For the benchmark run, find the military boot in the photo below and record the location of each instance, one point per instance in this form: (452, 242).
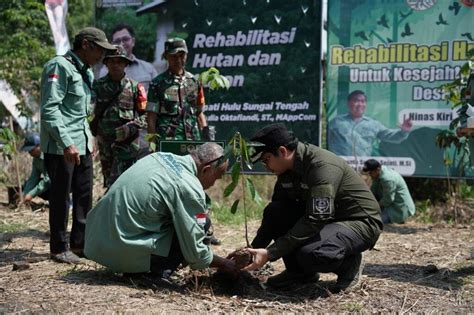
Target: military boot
(287, 278)
(350, 273)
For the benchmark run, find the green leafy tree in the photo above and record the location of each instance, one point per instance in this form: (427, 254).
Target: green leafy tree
(80, 15)
(456, 148)
(27, 44)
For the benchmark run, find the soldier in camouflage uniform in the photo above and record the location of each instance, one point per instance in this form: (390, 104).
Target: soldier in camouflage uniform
(119, 115)
(175, 104)
(176, 99)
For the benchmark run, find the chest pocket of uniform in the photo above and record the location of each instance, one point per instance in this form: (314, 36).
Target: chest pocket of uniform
(126, 104)
(289, 189)
(170, 103)
(76, 86)
(320, 207)
(191, 93)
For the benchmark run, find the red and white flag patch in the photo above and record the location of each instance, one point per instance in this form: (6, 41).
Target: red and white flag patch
(53, 77)
(201, 218)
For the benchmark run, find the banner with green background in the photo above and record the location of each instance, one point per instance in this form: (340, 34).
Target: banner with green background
(270, 50)
(397, 52)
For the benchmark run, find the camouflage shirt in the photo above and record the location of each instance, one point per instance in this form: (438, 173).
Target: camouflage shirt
(177, 100)
(118, 104)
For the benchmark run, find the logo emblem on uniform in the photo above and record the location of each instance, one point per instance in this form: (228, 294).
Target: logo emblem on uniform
(322, 205)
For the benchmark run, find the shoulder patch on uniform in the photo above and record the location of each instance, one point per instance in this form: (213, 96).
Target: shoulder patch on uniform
(53, 77)
(321, 204)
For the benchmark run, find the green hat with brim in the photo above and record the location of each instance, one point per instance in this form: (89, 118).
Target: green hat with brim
(175, 45)
(119, 52)
(96, 36)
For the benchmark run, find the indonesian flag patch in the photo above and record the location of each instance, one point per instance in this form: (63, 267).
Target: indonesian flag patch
(201, 218)
(201, 101)
(53, 77)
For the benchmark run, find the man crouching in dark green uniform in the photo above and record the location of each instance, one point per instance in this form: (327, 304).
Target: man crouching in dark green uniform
(322, 215)
(118, 115)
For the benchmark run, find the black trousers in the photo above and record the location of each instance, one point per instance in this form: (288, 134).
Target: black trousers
(165, 266)
(324, 252)
(67, 178)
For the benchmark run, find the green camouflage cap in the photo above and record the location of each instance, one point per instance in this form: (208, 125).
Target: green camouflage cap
(119, 52)
(175, 45)
(97, 36)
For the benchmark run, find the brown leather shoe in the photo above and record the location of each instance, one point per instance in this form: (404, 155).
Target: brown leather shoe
(66, 257)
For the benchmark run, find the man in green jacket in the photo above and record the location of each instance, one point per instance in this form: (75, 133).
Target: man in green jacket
(322, 215)
(391, 191)
(38, 183)
(66, 140)
(153, 216)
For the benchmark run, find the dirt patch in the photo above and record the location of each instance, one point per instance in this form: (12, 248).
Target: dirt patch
(413, 268)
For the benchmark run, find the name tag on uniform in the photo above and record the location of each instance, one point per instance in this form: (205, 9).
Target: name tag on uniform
(287, 185)
(201, 218)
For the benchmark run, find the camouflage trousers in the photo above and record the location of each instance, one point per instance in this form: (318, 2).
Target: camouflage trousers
(114, 159)
(106, 158)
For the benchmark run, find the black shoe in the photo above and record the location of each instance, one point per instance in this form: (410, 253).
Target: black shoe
(287, 278)
(350, 274)
(215, 241)
(153, 280)
(211, 240)
(66, 257)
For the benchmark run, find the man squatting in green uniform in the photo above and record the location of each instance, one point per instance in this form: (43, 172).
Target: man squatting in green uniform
(38, 183)
(322, 215)
(391, 191)
(66, 140)
(152, 218)
(119, 115)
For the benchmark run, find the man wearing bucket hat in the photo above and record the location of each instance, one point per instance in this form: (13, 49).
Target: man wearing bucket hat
(38, 182)
(119, 114)
(176, 99)
(322, 215)
(66, 140)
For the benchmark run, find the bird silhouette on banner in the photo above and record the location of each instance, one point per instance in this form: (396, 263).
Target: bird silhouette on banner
(441, 20)
(455, 7)
(383, 21)
(407, 31)
(362, 35)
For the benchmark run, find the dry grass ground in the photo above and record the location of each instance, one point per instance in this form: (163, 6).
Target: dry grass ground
(413, 268)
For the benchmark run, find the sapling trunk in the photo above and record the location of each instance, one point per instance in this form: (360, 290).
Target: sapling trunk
(15, 161)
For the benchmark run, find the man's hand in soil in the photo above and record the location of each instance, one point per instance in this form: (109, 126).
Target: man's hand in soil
(71, 155)
(260, 258)
(225, 265)
(26, 200)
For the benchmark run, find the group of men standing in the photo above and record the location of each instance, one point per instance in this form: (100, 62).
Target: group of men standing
(321, 218)
(68, 95)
